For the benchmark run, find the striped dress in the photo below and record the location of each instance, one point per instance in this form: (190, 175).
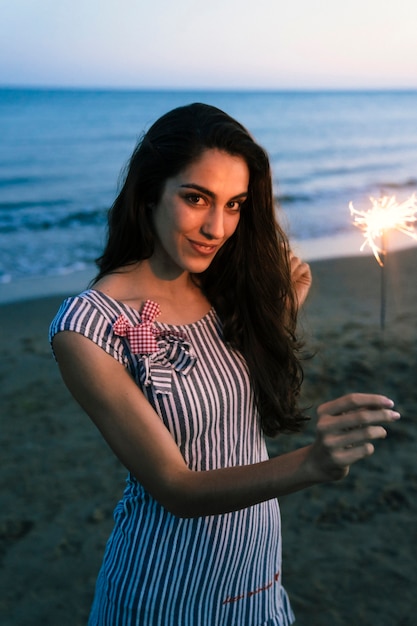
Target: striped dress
(159, 569)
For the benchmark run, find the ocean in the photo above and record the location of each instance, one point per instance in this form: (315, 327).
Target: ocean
(62, 153)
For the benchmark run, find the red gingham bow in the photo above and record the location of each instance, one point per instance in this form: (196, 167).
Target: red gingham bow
(142, 338)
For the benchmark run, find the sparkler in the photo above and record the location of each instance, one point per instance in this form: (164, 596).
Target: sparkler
(384, 215)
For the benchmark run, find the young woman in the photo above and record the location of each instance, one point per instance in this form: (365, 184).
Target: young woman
(184, 354)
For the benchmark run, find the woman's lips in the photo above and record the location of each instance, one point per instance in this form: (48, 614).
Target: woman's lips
(203, 248)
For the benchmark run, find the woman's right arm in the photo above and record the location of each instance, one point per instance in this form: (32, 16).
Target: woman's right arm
(137, 435)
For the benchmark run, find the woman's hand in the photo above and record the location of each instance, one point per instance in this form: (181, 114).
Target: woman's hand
(301, 277)
(345, 429)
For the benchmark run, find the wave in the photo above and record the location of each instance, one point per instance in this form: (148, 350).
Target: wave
(346, 170)
(288, 198)
(33, 204)
(47, 221)
(407, 184)
(18, 181)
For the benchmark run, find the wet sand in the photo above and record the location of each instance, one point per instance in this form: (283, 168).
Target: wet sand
(350, 548)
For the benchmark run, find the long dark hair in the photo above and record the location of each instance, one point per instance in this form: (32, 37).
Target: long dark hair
(249, 280)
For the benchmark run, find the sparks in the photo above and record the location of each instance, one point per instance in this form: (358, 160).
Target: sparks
(386, 214)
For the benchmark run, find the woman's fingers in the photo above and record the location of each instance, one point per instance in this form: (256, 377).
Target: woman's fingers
(345, 430)
(343, 458)
(353, 402)
(358, 419)
(355, 437)
(354, 419)
(301, 277)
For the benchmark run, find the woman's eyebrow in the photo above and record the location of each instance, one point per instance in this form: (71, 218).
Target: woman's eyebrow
(209, 193)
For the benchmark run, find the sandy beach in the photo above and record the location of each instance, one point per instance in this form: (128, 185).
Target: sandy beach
(350, 548)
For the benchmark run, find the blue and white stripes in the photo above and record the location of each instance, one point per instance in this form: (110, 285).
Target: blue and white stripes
(161, 570)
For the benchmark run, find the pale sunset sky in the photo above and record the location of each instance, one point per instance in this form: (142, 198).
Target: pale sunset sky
(258, 44)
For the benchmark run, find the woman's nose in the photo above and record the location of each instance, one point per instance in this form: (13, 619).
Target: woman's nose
(213, 226)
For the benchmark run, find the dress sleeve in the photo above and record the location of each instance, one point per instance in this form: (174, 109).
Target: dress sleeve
(81, 315)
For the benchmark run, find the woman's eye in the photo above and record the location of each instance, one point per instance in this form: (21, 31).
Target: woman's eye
(234, 205)
(194, 199)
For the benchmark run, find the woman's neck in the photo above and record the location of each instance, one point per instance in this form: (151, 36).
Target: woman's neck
(180, 298)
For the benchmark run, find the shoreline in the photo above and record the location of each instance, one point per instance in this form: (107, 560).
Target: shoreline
(312, 250)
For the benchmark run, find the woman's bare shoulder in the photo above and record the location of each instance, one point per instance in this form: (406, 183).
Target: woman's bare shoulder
(124, 285)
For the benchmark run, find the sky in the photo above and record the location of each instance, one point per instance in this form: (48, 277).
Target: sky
(259, 44)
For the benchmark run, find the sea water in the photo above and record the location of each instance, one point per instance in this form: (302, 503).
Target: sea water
(62, 153)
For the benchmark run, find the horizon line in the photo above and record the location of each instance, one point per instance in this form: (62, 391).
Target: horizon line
(167, 88)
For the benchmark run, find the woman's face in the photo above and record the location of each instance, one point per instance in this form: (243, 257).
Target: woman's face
(199, 210)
